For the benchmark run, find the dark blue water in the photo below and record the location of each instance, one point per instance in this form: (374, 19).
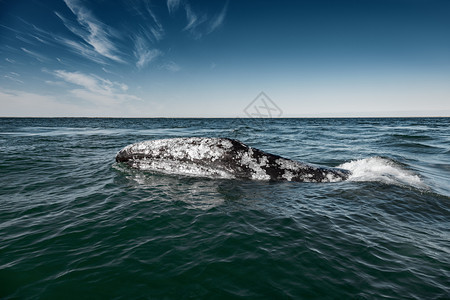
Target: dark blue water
(75, 224)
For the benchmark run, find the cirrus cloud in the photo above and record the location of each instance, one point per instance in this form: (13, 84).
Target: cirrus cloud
(96, 89)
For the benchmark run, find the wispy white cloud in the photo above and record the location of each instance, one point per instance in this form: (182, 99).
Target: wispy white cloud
(217, 21)
(143, 54)
(40, 35)
(35, 36)
(25, 40)
(172, 5)
(199, 25)
(191, 17)
(9, 28)
(98, 42)
(150, 26)
(55, 83)
(193, 22)
(170, 66)
(146, 57)
(107, 71)
(80, 79)
(81, 49)
(13, 76)
(157, 30)
(40, 40)
(95, 33)
(96, 89)
(35, 55)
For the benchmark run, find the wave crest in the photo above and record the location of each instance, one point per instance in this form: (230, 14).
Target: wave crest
(381, 170)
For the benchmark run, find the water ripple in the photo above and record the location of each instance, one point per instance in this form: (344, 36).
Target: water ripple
(74, 223)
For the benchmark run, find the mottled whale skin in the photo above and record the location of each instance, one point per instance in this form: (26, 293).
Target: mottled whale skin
(221, 157)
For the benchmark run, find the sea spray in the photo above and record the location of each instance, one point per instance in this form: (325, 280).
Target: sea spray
(382, 170)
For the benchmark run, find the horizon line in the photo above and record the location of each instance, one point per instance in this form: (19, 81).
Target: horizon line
(247, 118)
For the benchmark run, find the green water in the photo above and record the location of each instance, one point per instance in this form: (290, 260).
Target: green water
(75, 224)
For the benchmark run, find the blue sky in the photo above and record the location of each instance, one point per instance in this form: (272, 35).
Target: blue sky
(186, 58)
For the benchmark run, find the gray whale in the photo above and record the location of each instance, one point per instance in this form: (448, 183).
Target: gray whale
(221, 157)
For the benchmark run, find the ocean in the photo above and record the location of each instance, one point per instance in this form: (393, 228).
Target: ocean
(75, 224)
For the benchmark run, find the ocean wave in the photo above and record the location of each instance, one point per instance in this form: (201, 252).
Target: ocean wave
(383, 170)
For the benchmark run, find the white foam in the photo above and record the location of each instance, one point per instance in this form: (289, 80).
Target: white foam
(381, 170)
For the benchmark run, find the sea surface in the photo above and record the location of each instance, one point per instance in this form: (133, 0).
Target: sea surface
(75, 224)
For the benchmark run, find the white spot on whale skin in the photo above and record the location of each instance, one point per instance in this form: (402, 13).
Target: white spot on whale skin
(333, 178)
(181, 168)
(288, 175)
(183, 148)
(290, 165)
(263, 161)
(251, 162)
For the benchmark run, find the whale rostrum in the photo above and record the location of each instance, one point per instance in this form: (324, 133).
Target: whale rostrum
(223, 158)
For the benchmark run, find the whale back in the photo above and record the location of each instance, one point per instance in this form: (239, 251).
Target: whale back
(221, 157)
